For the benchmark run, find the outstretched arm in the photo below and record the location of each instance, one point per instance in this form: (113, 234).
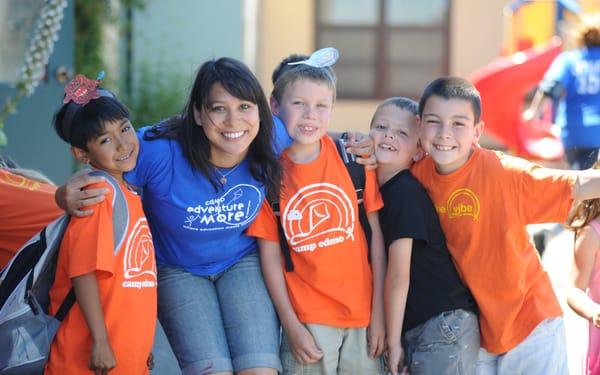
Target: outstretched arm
(302, 344)
(397, 281)
(88, 298)
(587, 185)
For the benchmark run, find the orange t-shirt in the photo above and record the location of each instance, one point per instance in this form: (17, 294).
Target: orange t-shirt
(26, 206)
(127, 287)
(331, 283)
(484, 207)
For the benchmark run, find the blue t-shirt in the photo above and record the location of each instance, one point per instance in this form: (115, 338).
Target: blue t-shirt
(578, 111)
(194, 226)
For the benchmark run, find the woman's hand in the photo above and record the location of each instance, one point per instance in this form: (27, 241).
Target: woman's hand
(74, 199)
(303, 345)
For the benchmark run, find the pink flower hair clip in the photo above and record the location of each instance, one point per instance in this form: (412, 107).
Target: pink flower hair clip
(82, 89)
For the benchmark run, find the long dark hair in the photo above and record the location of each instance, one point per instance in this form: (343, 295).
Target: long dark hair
(239, 81)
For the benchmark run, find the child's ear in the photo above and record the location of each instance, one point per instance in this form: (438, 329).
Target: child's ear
(478, 131)
(420, 154)
(274, 105)
(197, 115)
(80, 154)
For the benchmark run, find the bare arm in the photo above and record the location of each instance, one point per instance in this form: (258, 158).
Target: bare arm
(88, 298)
(397, 280)
(72, 197)
(302, 344)
(586, 250)
(377, 326)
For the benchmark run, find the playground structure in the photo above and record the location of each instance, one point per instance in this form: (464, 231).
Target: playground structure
(531, 43)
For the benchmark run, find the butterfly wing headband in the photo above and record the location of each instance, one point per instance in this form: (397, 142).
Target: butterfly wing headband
(321, 58)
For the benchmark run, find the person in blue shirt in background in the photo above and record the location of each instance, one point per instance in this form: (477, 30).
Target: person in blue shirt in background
(573, 80)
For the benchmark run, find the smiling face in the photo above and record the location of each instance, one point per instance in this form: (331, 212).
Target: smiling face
(448, 132)
(114, 151)
(230, 124)
(395, 136)
(305, 109)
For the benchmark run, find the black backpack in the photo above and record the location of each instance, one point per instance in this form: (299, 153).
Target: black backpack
(357, 175)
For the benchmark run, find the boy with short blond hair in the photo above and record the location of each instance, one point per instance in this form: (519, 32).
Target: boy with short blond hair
(484, 200)
(331, 296)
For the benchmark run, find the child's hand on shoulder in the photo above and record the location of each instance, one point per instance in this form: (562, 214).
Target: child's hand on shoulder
(303, 345)
(103, 359)
(361, 145)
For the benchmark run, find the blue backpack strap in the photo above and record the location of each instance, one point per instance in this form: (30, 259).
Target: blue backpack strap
(120, 214)
(120, 218)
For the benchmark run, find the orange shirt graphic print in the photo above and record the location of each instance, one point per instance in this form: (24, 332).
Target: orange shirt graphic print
(139, 265)
(462, 202)
(317, 216)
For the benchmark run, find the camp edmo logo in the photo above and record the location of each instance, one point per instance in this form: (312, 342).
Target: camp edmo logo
(317, 216)
(462, 202)
(138, 261)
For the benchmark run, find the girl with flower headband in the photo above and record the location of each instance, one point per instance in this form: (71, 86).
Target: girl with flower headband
(110, 327)
(203, 175)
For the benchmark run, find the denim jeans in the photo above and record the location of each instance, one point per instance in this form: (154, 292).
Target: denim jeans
(445, 344)
(224, 322)
(543, 352)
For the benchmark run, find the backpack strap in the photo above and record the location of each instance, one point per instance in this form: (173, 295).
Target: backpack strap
(120, 218)
(357, 175)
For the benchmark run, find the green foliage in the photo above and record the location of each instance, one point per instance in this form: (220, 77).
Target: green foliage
(158, 94)
(89, 16)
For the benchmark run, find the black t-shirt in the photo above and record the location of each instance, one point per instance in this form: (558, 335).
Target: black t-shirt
(435, 285)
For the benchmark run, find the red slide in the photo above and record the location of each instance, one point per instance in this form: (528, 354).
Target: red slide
(503, 85)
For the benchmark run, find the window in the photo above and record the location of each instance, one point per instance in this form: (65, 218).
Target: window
(387, 47)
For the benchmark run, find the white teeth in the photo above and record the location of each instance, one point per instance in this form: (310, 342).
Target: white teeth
(125, 157)
(307, 128)
(387, 147)
(233, 135)
(443, 148)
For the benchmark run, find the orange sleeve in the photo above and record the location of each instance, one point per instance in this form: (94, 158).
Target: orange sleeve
(372, 197)
(265, 224)
(89, 240)
(26, 206)
(546, 194)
